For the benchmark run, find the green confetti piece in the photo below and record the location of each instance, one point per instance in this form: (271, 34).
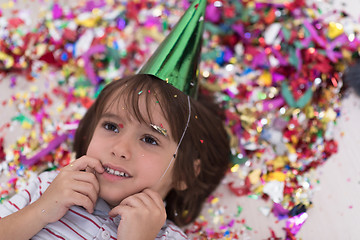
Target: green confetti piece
(286, 33)
(261, 96)
(305, 98)
(306, 32)
(254, 18)
(214, 29)
(227, 98)
(165, 25)
(293, 59)
(238, 6)
(247, 227)
(322, 52)
(114, 56)
(289, 98)
(236, 160)
(22, 118)
(239, 210)
(298, 45)
(319, 133)
(246, 14)
(82, 82)
(100, 88)
(253, 196)
(210, 55)
(287, 94)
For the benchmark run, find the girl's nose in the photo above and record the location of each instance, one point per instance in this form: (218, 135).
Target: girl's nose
(121, 149)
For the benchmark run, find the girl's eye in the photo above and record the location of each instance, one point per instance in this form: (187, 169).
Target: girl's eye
(111, 127)
(149, 140)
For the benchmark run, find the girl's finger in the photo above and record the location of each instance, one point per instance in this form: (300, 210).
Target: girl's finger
(133, 201)
(119, 210)
(83, 201)
(87, 177)
(155, 197)
(86, 189)
(85, 162)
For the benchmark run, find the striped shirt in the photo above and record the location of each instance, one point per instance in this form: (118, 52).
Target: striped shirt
(77, 223)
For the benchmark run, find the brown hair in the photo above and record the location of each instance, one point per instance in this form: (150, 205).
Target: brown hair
(205, 139)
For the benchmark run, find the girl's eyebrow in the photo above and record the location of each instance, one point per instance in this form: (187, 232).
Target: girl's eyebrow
(110, 115)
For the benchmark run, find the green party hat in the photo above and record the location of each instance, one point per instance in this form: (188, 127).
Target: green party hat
(177, 58)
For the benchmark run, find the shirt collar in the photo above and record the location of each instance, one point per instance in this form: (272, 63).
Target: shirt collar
(101, 209)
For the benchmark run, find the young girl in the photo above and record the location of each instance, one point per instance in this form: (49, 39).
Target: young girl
(147, 158)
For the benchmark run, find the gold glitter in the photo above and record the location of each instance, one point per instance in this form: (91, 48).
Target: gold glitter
(159, 129)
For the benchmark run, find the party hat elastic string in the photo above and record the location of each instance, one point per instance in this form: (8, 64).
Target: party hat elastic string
(182, 136)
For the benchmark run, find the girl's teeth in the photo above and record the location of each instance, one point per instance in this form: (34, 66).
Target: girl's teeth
(116, 172)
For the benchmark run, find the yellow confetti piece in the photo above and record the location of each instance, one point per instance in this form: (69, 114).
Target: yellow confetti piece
(214, 200)
(248, 57)
(330, 115)
(40, 49)
(278, 176)
(96, 11)
(88, 22)
(9, 4)
(60, 108)
(254, 176)
(34, 88)
(259, 189)
(16, 51)
(22, 140)
(335, 30)
(8, 60)
(23, 64)
(290, 148)
(280, 162)
(309, 111)
(26, 125)
(235, 168)
(265, 79)
(25, 95)
(47, 137)
(80, 92)
(78, 116)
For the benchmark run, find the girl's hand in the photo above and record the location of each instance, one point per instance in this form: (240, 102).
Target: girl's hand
(72, 186)
(142, 216)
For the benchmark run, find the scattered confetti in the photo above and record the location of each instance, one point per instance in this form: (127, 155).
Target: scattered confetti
(276, 70)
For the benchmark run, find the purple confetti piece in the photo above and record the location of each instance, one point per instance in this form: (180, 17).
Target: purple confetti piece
(314, 33)
(295, 223)
(57, 11)
(89, 70)
(43, 152)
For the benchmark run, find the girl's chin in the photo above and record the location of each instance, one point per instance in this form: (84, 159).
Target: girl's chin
(111, 202)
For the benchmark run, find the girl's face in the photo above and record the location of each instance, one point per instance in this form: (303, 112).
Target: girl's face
(134, 155)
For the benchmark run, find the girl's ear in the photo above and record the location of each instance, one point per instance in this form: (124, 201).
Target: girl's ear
(197, 167)
(182, 186)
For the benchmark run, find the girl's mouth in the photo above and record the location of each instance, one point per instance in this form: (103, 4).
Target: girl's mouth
(116, 172)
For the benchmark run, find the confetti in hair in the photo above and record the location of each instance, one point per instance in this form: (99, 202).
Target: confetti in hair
(159, 129)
